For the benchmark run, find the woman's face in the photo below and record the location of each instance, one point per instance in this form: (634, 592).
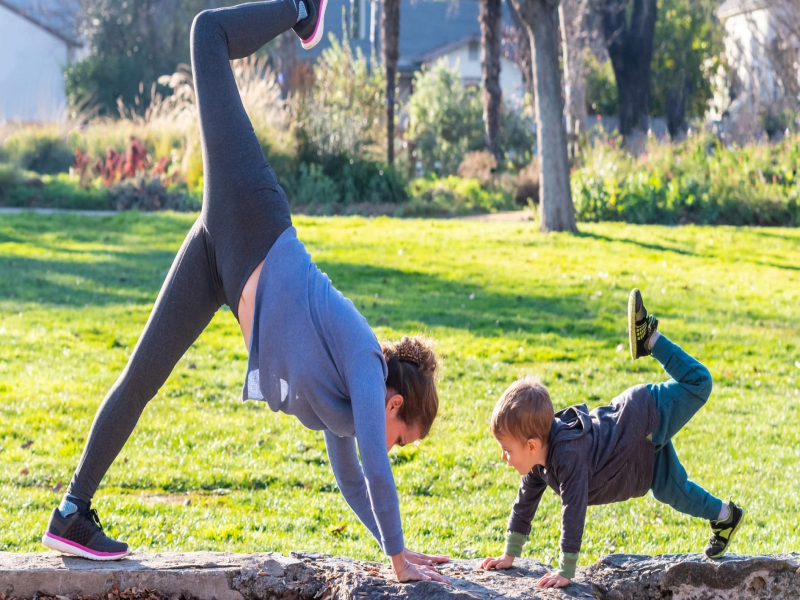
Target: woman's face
(397, 432)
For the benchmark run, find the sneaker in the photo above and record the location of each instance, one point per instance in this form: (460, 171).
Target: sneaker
(641, 326)
(722, 531)
(81, 534)
(310, 29)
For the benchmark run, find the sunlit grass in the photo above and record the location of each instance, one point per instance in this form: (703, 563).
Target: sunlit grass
(205, 471)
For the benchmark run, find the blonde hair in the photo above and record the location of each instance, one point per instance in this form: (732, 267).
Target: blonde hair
(413, 367)
(524, 411)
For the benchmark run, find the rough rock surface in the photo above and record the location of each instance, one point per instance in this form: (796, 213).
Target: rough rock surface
(304, 575)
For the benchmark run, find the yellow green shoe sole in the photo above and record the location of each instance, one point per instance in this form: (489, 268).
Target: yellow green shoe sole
(632, 323)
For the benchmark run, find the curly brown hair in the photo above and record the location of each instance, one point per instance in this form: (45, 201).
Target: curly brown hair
(413, 368)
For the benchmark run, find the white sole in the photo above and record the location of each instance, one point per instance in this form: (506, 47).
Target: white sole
(320, 30)
(60, 546)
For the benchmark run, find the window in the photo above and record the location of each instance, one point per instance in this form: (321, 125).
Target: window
(474, 51)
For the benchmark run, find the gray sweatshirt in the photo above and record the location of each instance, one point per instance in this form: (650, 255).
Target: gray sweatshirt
(314, 356)
(593, 458)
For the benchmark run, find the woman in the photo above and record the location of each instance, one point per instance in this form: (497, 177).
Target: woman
(312, 355)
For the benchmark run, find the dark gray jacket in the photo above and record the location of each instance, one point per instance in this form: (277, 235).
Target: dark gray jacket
(595, 457)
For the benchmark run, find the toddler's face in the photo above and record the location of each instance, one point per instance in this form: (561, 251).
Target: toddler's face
(521, 456)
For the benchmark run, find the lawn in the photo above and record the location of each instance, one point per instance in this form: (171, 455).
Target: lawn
(204, 471)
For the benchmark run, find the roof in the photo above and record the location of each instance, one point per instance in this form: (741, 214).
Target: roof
(731, 8)
(56, 17)
(428, 28)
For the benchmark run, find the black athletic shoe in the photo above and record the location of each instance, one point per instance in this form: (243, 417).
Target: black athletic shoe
(641, 326)
(722, 531)
(310, 29)
(81, 534)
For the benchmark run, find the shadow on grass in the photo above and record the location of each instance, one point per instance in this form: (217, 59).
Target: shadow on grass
(408, 300)
(678, 250)
(649, 246)
(126, 277)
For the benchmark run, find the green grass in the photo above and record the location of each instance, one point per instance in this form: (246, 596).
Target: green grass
(501, 299)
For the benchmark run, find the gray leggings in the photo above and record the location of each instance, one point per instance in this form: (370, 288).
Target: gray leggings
(244, 212)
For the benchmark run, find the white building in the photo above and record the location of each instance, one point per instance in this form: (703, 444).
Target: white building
(464, 56)
(763, 53)
(34, 49)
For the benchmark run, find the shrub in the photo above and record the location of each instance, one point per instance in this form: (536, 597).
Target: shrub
(527, 188)
(343, 111)
(38, 150)
(10, 175)
(314, 187)
(345, 181)
(152, 196)
(59, 191)
(517, 136)
(453, 195)
(480, 165)
(445, 120)
(697, 181)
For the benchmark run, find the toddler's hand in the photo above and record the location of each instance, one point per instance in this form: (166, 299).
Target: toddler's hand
(553, 580)
(501, 562)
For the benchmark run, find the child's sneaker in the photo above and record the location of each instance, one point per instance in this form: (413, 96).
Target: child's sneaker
(641, 326)
(311, 27)
(81, 534)
(722, 531)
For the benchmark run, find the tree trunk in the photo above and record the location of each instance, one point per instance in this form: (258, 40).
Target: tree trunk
(390, 40)
(676, 107)
(522, 41)
(286, 51)
(572, 18)
(556, 211)
(630, 47)
(490, 16)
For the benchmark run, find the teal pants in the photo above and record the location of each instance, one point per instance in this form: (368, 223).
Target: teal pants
(678, 400)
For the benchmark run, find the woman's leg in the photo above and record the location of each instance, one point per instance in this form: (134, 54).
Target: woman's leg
(192, 291)
(244, 208)
(184, 307)
(244, 211)
(234, 165)
(188, 300)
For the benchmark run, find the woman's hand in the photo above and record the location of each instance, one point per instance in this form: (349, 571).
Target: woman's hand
(418, 558)
(501, 562)
(553, 580)
(405, 571)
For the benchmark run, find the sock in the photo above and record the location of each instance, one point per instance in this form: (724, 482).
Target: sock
(70, 504)
(724, 513)
(302, 12)
(653, 339)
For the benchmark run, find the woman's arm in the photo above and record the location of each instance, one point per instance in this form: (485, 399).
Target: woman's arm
(366, 383)
(350, 479)
(367, 387)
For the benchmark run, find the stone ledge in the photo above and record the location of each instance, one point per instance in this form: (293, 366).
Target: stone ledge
(305, 575)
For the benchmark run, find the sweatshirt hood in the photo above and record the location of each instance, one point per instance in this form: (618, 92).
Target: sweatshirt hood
(569, 424)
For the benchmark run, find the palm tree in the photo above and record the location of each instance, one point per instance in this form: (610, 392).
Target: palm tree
(390, 42)
(490, 17)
